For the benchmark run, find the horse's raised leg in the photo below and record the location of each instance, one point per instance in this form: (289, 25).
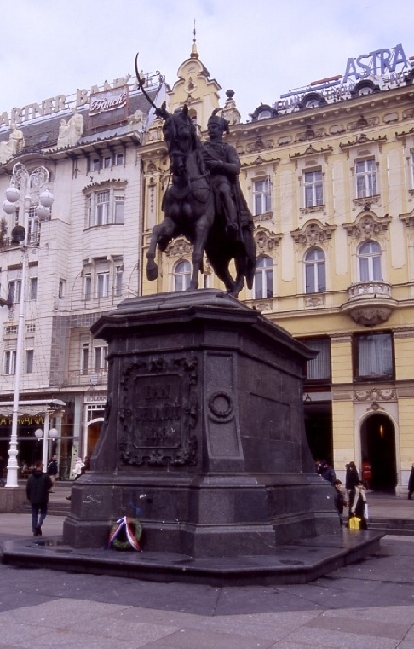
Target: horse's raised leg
(162, 232)
(151, 268)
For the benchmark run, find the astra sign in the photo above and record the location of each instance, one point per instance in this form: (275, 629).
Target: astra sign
(387, 67)
(379, 62)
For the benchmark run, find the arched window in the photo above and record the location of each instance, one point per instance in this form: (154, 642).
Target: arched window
(182, 275)
(369, 258)
(263, 279)
(193, 115)
(315, 271)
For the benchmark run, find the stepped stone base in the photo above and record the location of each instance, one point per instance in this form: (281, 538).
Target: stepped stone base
(204, 438)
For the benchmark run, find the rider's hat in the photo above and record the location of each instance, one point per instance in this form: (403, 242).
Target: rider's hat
(223, 123)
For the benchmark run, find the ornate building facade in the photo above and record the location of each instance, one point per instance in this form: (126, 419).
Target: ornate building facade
(328, 173)
(80, 260)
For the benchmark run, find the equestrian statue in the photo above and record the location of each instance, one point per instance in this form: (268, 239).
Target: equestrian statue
(203, 201)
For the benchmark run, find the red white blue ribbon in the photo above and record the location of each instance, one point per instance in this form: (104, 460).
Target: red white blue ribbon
(129, 530)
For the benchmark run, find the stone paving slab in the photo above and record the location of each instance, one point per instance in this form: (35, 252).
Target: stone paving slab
(356, 607)
(369, 604)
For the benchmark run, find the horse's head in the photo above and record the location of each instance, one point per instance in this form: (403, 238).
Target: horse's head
(179, 132)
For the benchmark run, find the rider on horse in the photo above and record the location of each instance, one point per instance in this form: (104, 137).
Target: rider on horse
(222, 161)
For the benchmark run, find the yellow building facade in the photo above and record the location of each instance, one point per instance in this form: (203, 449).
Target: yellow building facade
(328, 173)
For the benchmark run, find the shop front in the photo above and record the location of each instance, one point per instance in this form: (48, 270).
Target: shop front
(39, 426)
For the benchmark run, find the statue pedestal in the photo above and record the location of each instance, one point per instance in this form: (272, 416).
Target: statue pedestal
(204, 437)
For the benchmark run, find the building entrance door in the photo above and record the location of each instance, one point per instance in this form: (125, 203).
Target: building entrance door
(318, 424)
(94, 431)
(378, 446)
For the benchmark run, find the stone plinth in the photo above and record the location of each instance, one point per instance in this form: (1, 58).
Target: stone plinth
(11, 499)
(204, 436)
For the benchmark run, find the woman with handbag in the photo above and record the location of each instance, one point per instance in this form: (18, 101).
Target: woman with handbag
(358, 505)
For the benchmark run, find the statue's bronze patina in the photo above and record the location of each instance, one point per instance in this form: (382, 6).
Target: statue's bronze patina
(204, 201)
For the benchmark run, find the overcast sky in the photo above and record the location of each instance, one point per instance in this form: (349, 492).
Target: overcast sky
(259, 48)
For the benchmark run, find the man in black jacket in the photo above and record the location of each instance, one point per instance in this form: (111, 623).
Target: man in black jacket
(37, 491)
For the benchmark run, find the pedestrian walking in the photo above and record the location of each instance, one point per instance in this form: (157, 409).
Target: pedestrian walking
(77, 472)
(411, 483)
(53, 470)
(37, 491)
(351, 478)
(339, 500)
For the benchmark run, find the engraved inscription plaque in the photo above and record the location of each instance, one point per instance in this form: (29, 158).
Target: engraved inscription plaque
(159, 412)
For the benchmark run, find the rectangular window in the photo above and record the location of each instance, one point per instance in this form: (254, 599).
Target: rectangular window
(62, 288)
(33, 234)
(319, 368)
(29, 361)
(85, 358)
(366, 178)
(105, 207)
(96, 164)
(9, 365)
(102, 208)
(374, 356)
(102, 284)
(100, 358)
(370, 269)
(33, 288)
(118, 209)
(120, 158)
(262, 199)
(313, 188)
(87, 287)
(107, 162)
(119, 275)
(263, 279)
(14, 291)
(412, 169)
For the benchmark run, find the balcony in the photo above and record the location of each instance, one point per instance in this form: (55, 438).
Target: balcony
(369, 303)
(77, 378)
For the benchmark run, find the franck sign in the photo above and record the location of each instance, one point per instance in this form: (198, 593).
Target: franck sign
(108, 107)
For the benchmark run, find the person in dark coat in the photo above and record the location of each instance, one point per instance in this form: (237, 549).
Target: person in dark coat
(53, 469)
(411, 483)
(351, 478)
(328, 473)
(339, 500)
(37, 491)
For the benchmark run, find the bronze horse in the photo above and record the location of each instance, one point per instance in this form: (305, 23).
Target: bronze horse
(188, 202)
(190, 210)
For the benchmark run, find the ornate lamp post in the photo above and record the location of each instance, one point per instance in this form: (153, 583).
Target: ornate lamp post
(25, 189)
(46, 434)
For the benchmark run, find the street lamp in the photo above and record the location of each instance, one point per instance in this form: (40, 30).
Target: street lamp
(25, 188)
(46, 434)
